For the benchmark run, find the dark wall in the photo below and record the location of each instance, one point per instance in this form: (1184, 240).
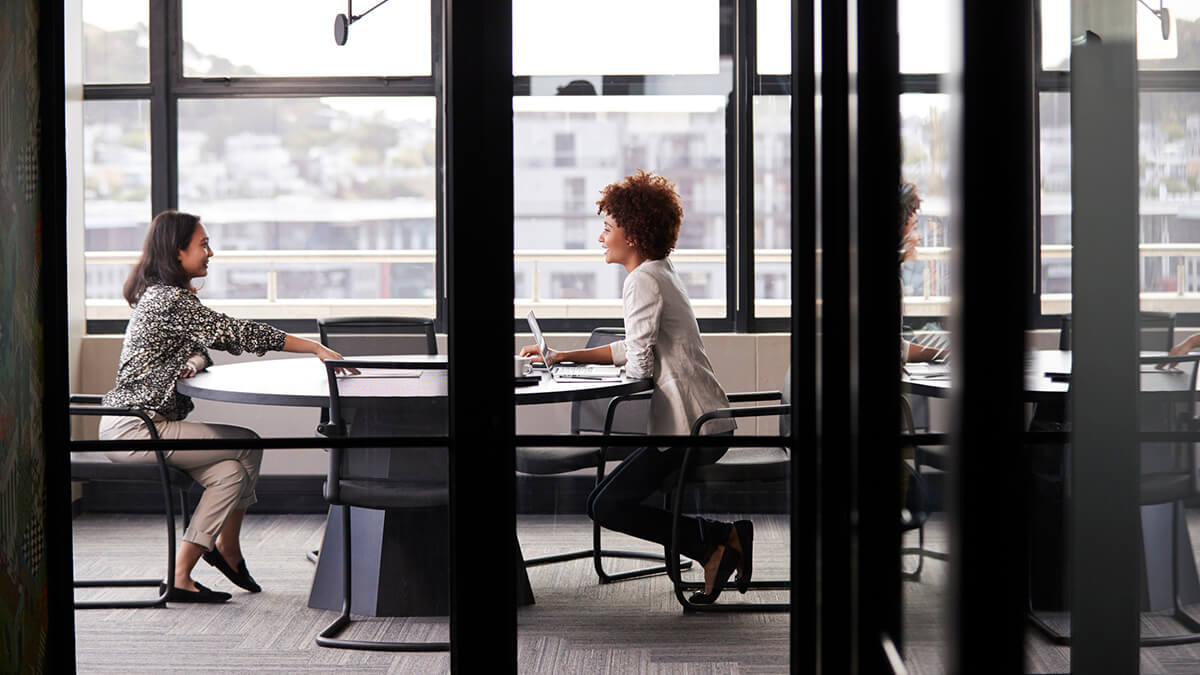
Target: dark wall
(23, 561)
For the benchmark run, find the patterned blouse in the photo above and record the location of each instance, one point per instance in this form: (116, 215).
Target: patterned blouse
(168, 327)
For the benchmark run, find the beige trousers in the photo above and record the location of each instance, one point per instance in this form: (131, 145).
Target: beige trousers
(228, 476)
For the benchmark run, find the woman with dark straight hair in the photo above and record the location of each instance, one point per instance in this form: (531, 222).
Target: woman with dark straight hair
(168, 338)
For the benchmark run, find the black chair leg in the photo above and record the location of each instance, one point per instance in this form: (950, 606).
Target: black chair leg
(161, 600)
(184, 508)
(673, 568)
(598, 553)
(328, 637)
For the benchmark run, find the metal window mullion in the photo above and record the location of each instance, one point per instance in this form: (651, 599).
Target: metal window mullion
(163, 120)
(284, 87)
(743, 95)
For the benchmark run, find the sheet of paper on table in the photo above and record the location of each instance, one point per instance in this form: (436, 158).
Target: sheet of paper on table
(926, 369)
(382, 372)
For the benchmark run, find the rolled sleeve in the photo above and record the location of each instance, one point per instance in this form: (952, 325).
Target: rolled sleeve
(643, 305)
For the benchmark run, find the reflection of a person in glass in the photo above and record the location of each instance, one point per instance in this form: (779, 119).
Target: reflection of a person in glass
(642, 217)
(910, 238)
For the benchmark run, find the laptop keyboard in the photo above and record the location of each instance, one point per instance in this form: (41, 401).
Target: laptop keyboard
(585, 371)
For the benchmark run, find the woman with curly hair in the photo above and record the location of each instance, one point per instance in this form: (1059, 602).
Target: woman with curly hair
(168, 338)
(642, 217)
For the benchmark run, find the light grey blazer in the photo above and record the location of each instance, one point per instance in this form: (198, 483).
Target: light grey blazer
(662, 339)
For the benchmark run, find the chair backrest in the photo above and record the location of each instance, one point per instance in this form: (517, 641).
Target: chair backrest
(1168, 403)
(378, 335)
(415, 418)
(1156, 331)
(632, 417)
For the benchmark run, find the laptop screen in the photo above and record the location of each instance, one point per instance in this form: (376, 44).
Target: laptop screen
(537, 334)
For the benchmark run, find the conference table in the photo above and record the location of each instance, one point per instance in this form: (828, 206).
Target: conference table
(1047, 384)
(400, 557)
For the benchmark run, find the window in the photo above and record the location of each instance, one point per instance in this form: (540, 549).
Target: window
(1168, 160)
(396, 40)
(308, 197)
(116, 39)
(314, 166)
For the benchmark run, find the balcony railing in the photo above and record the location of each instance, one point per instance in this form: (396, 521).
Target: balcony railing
(933, 300)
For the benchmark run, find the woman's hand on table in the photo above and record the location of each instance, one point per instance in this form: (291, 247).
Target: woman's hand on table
(1181, 349)
(187, 371)
(326, 354)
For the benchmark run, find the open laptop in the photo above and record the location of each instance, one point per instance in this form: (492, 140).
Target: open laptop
(562, 373)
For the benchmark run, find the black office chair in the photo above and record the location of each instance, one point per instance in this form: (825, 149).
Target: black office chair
(378, 335)
(915, 513)
(1156, 331)
(594, 417)
(1168, 477)
(374, 336)
(169, 477)
(344, 488)
(738, 465)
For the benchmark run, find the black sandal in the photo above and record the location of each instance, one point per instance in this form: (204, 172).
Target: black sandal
(201, 594)
(729, 563)
(240, 576)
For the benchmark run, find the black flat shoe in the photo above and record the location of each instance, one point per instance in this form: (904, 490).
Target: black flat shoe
(729, 562)
(745, 532)
(240, 576)
(176, 594)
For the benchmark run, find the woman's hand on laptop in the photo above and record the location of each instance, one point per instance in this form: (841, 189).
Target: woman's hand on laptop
(535, 354)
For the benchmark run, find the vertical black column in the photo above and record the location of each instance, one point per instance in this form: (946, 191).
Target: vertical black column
(52, 185)
(835, 466)
(875, 321)
(992, 200)
(165, 69)
(745, 70)
(1104, 516)
(479, 244)
(806, 485)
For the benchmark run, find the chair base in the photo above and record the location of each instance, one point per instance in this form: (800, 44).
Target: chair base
(1190, 622)
(922, 554)
(159, 601)
(328, 638)
(605, 577)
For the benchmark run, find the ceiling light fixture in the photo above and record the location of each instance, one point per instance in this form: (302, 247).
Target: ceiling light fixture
(1163, 14)
(341, 22)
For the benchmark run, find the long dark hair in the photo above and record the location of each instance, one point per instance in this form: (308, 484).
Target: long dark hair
(170, 232)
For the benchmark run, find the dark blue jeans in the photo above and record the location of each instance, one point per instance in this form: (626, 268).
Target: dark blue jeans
(616, 503)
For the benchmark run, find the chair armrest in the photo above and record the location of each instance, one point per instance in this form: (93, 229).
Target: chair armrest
(726, 413)
(618, 400)
(101, 411)
(749, 396)
(89, 399)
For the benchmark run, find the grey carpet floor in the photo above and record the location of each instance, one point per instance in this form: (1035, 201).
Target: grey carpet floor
(576, 625)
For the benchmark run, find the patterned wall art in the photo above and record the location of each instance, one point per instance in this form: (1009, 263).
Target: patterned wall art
(23, 569)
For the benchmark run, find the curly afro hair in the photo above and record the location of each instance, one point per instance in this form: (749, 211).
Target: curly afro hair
(647, 207)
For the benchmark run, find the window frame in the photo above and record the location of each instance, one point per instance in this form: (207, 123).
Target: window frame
(737, 40)
(1059, 81)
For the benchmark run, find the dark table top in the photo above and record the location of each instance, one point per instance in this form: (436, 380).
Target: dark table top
(1039, 385)
(301, 381)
